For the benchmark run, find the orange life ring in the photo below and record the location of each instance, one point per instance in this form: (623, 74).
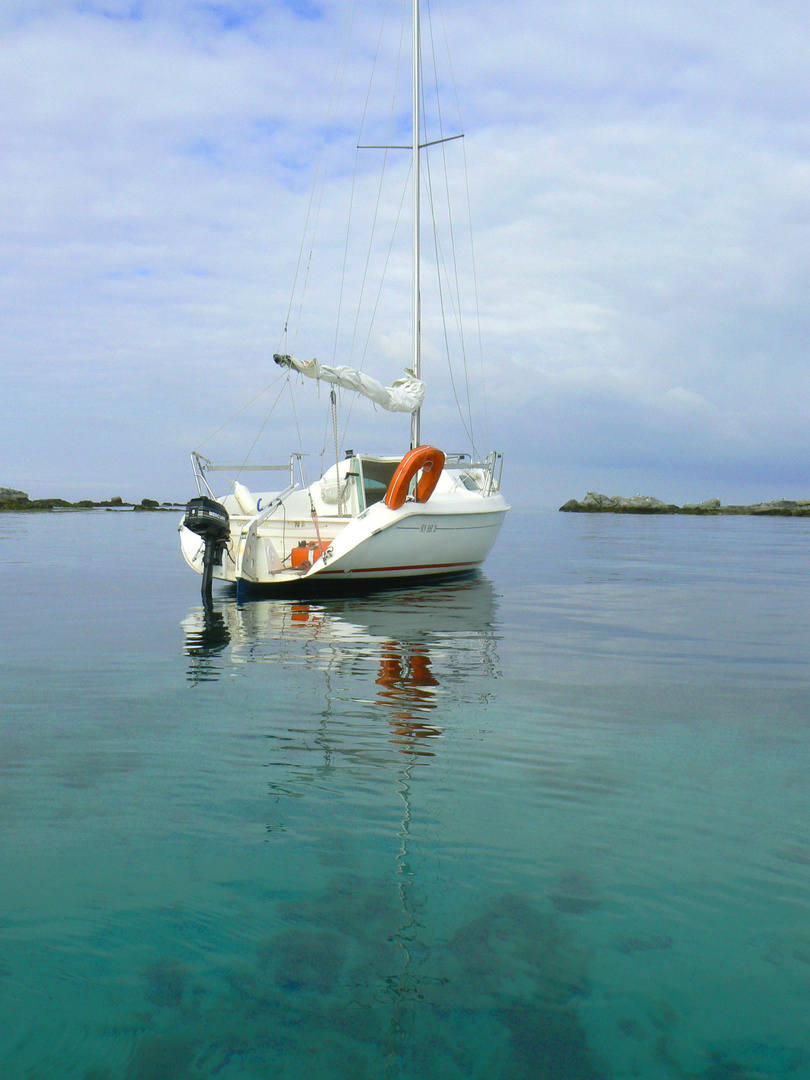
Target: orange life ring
(430, 461)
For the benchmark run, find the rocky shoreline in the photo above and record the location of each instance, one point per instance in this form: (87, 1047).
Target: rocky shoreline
(594, 503)
(12, 499)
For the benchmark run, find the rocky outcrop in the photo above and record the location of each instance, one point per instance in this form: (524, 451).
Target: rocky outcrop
(775, 508)
(594, 503)
(12, 499)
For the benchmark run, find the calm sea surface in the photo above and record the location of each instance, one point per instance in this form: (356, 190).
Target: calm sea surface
(549, 824)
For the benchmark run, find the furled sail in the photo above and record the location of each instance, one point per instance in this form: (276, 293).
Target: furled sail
(404, 395)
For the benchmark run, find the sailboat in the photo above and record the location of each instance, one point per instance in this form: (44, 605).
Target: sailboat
(369, 521)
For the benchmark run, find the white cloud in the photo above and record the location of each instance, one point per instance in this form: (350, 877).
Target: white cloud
(638, 176)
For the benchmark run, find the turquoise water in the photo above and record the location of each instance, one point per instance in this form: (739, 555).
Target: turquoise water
(552, 823)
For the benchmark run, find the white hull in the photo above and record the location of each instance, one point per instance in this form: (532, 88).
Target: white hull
(449, 535)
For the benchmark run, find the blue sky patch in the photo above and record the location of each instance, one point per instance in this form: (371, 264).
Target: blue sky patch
(119, 10)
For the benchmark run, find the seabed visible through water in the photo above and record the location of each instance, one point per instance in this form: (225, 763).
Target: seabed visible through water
(509, 829)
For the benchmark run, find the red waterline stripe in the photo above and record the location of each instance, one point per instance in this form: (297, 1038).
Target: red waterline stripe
(392, 569)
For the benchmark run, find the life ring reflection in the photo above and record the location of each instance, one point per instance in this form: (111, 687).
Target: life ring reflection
(408, 689)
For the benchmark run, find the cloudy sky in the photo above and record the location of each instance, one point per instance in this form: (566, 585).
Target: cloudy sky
(638, 173)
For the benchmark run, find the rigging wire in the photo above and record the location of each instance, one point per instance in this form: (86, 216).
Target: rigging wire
(376, 215)
(473, 266)
(360, 340)
(466, 421)
(334, 400)
(319, 180)
(240, 411)
(477, 306)
(447, 263)
(258, 434)
(453, 286)
(321, 175)
(317, 191)
(380, 286)
(301, 454)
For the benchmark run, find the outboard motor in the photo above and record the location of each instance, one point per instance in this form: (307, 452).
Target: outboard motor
(208, 519)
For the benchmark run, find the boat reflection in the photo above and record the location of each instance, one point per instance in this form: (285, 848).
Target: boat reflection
(400, 651)
(354, 697)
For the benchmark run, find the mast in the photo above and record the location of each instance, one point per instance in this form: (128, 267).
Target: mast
(416, 302)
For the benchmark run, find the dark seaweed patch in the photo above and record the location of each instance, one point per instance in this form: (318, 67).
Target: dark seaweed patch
(548, 1043)
(161, 1057)
(165, 981)
(574, 893)
(354, 977)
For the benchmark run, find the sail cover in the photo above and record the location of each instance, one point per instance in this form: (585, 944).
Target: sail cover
(404, 395)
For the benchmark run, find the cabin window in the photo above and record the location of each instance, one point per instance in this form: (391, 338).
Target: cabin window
(377, 475)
